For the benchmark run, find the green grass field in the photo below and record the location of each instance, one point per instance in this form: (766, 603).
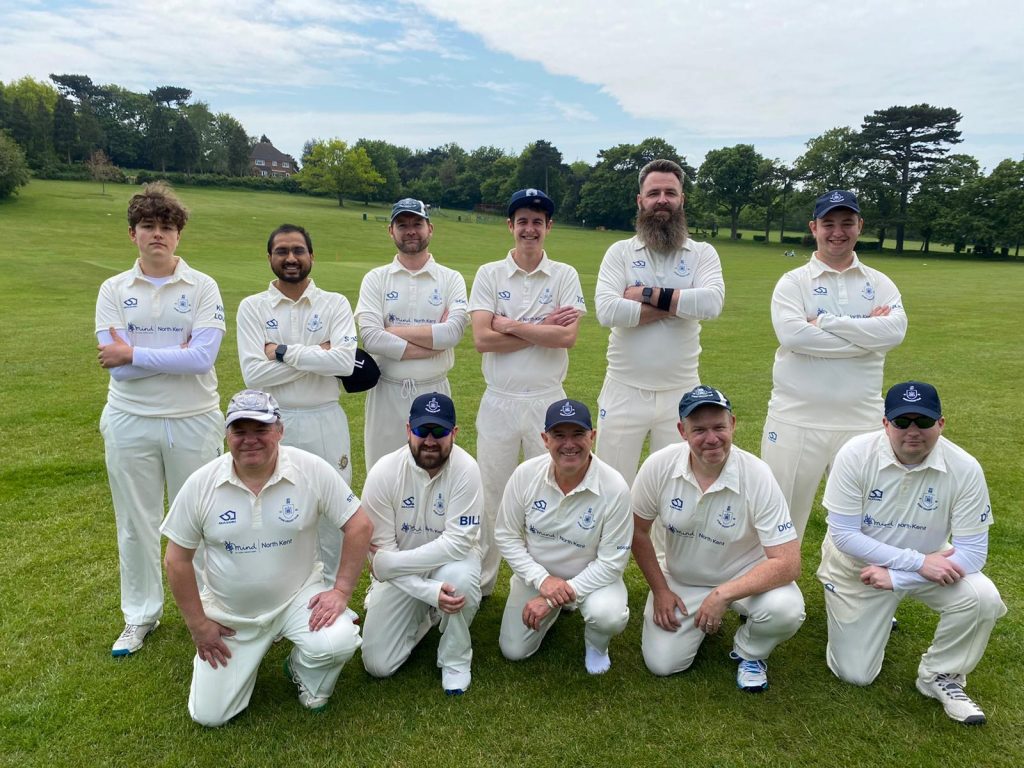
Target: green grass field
(64, 701)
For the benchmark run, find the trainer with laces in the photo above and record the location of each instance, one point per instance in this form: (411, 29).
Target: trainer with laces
(729, 545)
(257, 511)
(895, 499)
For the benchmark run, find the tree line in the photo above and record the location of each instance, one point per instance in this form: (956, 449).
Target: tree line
(899, 161)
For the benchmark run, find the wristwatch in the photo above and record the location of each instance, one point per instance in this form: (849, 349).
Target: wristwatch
(647, 293)
(279, 352)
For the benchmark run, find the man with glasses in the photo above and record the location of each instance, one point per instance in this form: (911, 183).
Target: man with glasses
(835, 318)
(894, 499)
(425, 501)
(564, 528)
(256, 511)
(294, 341)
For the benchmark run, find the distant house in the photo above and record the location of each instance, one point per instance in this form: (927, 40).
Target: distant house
(266, 160)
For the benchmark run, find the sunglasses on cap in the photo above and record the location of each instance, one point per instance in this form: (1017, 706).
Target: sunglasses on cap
(431, 430)
(904, 422)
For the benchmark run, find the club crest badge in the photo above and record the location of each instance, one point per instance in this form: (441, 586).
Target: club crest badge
(343, 462)
(546, 296)
(681, 269)
(432, 406)
(928, 502)
(868, 292)
(726, 518)
(289, 512)
(315, 324)
(182, 305)
(439, 505)
(435, 298)
(912, 395)
(567, 409)
(587, 520)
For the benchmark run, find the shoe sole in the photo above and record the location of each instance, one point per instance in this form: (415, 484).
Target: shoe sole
(753, 689)
(120, 653)
(288, 673)
(969, 720)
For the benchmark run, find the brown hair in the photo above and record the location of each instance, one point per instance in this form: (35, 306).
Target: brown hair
(157, 201)
(661, 166)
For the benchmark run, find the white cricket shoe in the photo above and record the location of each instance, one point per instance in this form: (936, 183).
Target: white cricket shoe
(751, 674)
(306, 699)
(949, 690)
(131, 638)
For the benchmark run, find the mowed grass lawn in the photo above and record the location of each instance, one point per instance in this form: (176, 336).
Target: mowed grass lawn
(65, 701)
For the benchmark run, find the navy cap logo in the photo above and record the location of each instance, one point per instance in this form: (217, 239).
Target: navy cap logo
(567, 409)
(432, 406)
(836, 197)
(911, 395)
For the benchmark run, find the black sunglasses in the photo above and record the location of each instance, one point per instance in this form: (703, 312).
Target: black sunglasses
(434, 430)
(904, 422)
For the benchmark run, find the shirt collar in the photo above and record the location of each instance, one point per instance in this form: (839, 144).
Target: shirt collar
(276, 297)
(638, 245)
(819, 267)
(935, 460)
(182, 272)
(511, 267)
(591, 480)
(285, 470)
(728, 479)
(430, 267)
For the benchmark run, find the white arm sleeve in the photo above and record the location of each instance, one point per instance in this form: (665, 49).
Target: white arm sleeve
(850, 540)
(971, 554)
(198, 357)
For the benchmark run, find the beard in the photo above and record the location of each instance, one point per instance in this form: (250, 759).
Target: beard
(428, 459)
(662, 235)
(412, 247)
(295, 277)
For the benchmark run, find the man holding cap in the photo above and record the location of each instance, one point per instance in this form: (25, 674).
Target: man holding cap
(835, 319)
(526, 310)
(256, 509)
(729, 543)
(294, 341)
(411, 315)
(425, 502)
(652, 292)
(894, 499)
(564, 528)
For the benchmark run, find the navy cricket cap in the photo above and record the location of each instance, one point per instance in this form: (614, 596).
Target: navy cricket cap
(410, 205)
(530, 198)
(837, 198)
(432, 408)
(699, 396)
(567, 412)
(912, 397)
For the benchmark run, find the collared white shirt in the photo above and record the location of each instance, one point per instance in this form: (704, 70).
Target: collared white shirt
(583, 537)
(307, 377)
(420, 522)
(830, 376)
(663, 354)
(915, 508)
(260, 549)
(391, 295)
(157, 317)
(715, 535)
(504, 288)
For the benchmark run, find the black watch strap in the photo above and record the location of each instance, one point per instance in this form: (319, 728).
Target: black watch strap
(279, 352)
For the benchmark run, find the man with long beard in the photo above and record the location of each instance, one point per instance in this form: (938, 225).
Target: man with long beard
(652, 291)
(411, 314)
(294, 340)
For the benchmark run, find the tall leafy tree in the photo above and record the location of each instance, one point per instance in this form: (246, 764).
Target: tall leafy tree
(832, 161)
(235, 143)
(184, 144)
(729, 176)
(939, 196)
(333, 168)
(909, 140)
(384, 157)
(65, 129)
(13, 167)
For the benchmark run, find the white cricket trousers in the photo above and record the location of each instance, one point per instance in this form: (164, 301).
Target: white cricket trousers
(387, 414)
(772, 618)
(144, 456)
(604, 611)
(396, 621)
(219, 694)
(799, 457)
(504, 427)
(323, 431)
(860, 620)
(627, 414)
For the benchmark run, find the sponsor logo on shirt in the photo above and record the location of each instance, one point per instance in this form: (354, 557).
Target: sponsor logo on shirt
(821, 290)
(786, 526)
(602, 413)
(537, 531)
(564, 540)
(986, 513)
(228, 517)
(218, 313)
(676, 503)
(540, 505)
(131, 301)
(182, 305)
(315, 324)
(710, 539)
(289, 512)
(391, 295)
(875, 494)
(871, 522)
(469, 520)
(253, 547)
(409, 502)
(822, 311)
(639, 263)
(679, 532)
(272, 324)
(504, 295)
(773, 437)
(586, 520)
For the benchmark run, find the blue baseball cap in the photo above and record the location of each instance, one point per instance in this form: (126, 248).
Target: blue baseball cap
(912, 397)
(410, 205)
(530, 198)
(699, 396)
(837, 198)
(432, 408)
(567, 412)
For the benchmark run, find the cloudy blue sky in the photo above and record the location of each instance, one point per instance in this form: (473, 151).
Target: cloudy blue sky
(701, 74)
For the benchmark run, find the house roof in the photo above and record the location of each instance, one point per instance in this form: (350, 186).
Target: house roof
(264, 150)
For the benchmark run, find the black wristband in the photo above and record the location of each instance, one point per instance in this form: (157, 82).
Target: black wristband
(279, 352)
(665, 298)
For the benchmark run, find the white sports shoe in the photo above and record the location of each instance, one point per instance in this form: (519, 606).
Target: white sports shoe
(131, 638)
(751, 674)
(306, 699)
(949, 690)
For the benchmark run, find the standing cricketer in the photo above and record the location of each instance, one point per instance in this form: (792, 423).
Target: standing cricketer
(256, 509)
(526, 312)
(159, 327)
(835, 319)
(411, 315)
(652, 292)
(894, 498)
(425, 502)
(294, 340)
